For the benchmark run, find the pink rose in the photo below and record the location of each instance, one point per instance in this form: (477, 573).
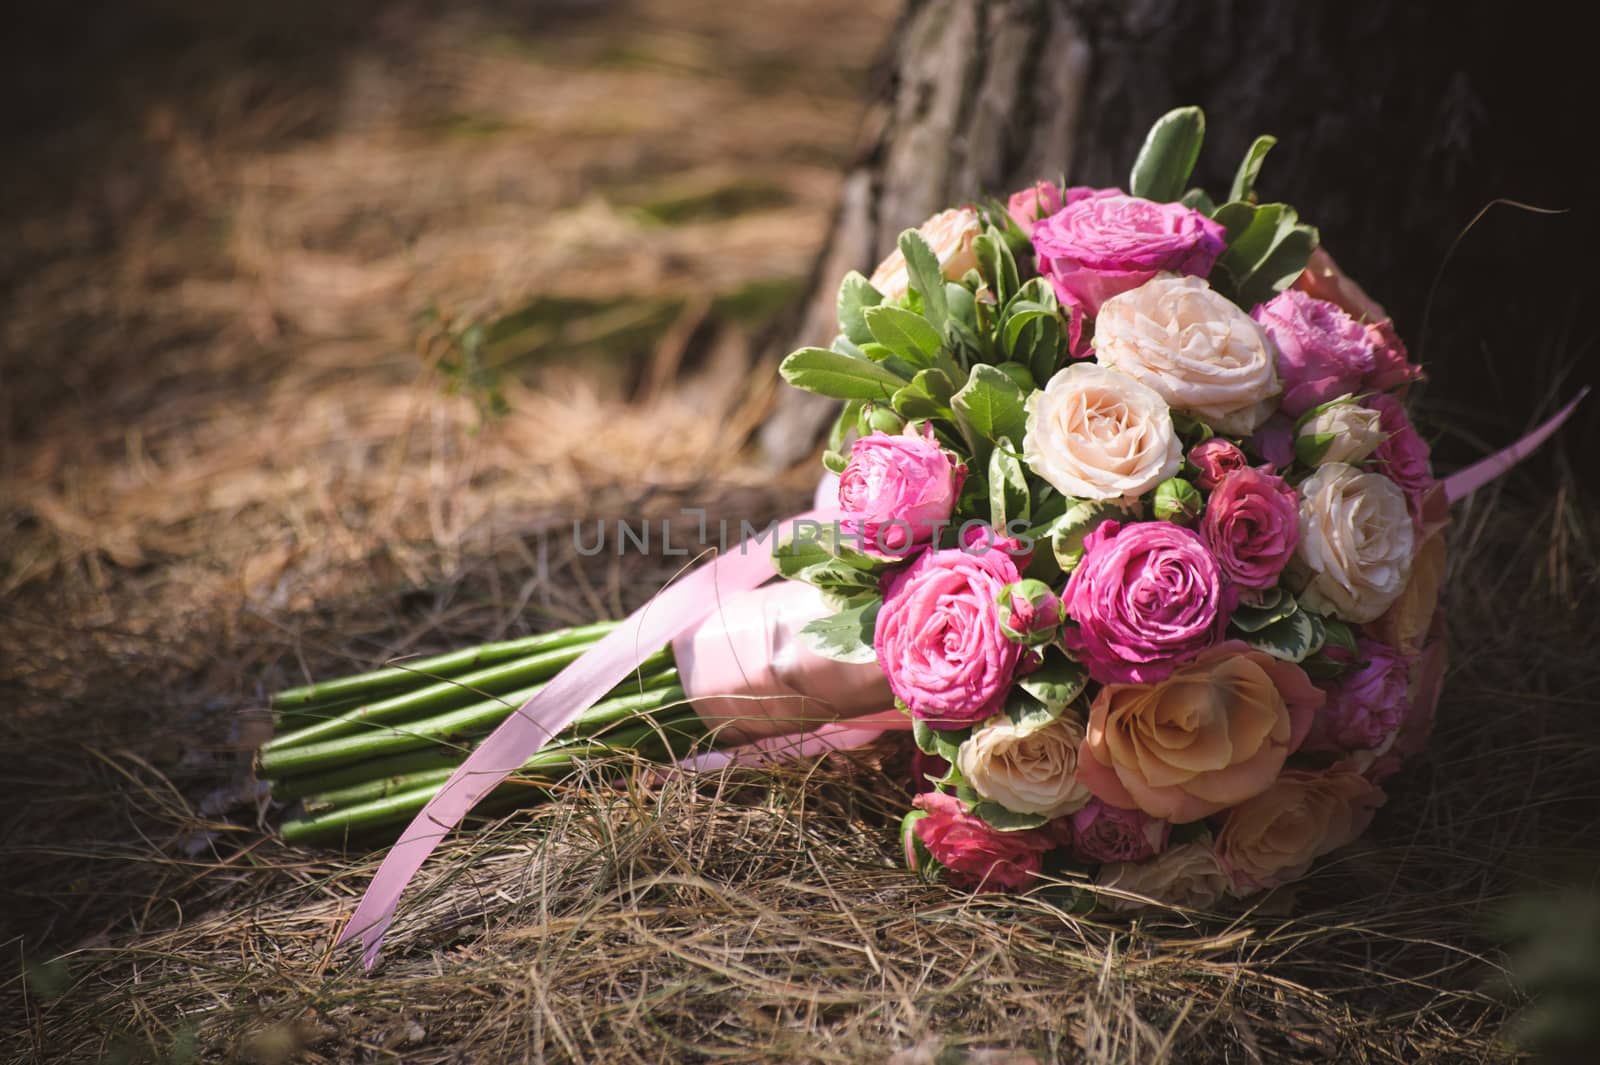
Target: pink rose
(1323, 353)
(975, 856)
(1031, 204)
(1103, 243)
(1365, 707)
(939, 638)
(898, 491)
(1392, 367)
(1102, 833)
(1214, 458)
(1252, 525)
(1145, 596)
(1403, 455)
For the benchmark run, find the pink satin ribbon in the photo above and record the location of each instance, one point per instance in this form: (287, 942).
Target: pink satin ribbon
(677, 608)
(1463, 483)
(750, 675)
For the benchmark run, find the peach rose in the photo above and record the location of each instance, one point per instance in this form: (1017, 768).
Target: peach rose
(1322, 279)
(1214, 733)
(1186, 876)
(1274, 837)
(1203, 354)
(1095, 433)
(1405, 624)
(950, 234)
(1356, 543)
(1027, 770)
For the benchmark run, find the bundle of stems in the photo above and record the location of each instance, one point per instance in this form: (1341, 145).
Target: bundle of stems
(363, 754)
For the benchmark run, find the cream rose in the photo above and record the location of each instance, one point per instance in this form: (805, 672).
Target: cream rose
(1186, 876)
(1028, 770)
(1274, 837)
(1214, 733)
(1204, 355)
(1356, 543)
(950, 234)
(1095, 433)
(1341, 431)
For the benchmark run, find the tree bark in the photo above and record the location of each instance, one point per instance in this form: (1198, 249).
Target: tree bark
(1396, 125)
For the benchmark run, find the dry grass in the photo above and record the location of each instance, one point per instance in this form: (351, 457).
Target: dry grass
(229, 463)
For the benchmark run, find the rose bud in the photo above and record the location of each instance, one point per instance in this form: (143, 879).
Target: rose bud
(883, 419)
(1030, 613)
(1340, 431)
(1213, 459)
(1178, 501)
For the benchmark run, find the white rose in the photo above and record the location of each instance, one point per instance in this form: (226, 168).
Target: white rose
(1095, 433)
(1026, 770)
(1356, 543)
(1187, 876)
(1341, 431)
(950, 235)
(1201, 352)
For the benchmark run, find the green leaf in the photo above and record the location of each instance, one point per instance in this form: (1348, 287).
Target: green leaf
(1293, 639)
(905, 333)
(1082, 517)
(808, 552)
(991, 405)
(834, 461)
(1056, 683)
(845, 636)
(1267, 249)
(1008, 486)
(1275, 605)
(1340, 635)
(1001, 819)
(996, 264)
(1244, 181)
(856, 294)
(1167, 159)
(843, 424)
(926, 277)
(925, 737)
(829, 373)
(963, 304)
(1027, 712)
(1198, 200)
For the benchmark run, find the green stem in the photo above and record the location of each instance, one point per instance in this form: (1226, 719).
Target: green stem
(366, 685)
(658, 691)
(344, 776)
(445, 695)
(402, 798)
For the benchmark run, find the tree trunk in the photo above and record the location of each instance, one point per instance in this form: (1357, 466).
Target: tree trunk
(1396, 126)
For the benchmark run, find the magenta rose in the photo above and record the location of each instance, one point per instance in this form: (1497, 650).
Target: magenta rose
(1274, 441)
(1102, 833)
(975, 856)
(1364, 707)
(1031, 204)
(1103, 243)
(897, 491)
(1391, 366)
(1323, 353)
(1215, 458)
(1145, 596)
(1252, 525)
(939, 638)
(1403, 455)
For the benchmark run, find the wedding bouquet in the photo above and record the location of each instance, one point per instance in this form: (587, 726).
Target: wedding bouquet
(1125, 521)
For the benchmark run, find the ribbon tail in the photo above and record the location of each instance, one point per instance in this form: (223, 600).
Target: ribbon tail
(1463, 483)
(541, 718)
